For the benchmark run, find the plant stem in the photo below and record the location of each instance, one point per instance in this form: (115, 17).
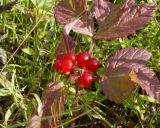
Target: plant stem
(75, 104)
(92, 45)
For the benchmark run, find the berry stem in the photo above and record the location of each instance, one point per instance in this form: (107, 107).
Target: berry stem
(92, 46)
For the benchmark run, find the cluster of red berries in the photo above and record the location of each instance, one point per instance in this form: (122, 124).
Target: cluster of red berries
(66, 63)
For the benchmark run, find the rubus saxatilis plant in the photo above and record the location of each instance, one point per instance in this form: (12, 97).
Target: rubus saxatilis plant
(124, 70)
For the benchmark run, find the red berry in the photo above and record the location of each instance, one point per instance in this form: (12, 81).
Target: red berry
(92, 64)
(82, 59)
(85, 79)
(65, 62)
(67, 66)
(71, 56)
(57, 64)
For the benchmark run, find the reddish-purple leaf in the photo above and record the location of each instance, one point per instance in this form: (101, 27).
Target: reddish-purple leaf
(70, 45)
(119, 84)
(35, 122)
(67, 45)
(53, 104)
(132, 58)
(67, 11)
(124, 19)
(116, 75)
(52, 107)
(149, 82)
(129, 3)
(101, 9)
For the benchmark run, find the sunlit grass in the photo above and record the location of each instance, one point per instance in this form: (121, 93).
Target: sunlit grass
(32, 34)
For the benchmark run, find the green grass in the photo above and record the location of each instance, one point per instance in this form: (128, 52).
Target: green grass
(30, 43)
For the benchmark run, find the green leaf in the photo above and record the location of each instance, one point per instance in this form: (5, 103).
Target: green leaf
(10, 85)
(34, 2)
(3, 56)
(9, 113)
(38, 3)
(39, 103)
(28, 51)
(4, 92)
(41, 3)
(149, 99)
(6, 83)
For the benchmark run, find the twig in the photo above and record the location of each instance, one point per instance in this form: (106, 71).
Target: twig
(75, 104)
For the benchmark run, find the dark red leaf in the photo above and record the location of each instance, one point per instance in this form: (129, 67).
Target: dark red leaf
(67, 45)
(149, 82)
(124, 19)
(119, 84)
(101, 9)
(132, 58)
(52, 107)
(129, 3)
(35, 122)
(67, 11)
(70, 45)
(53, 104)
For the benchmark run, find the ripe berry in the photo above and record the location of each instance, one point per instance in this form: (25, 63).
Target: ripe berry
(85, 79)
(71, 56)
(57, 64)
(66, 66)
(92, 64)
(82, 59)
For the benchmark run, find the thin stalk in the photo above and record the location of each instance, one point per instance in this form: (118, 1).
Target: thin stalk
(73, 119)
(104, 120)
(75, 104)
(92, 45)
